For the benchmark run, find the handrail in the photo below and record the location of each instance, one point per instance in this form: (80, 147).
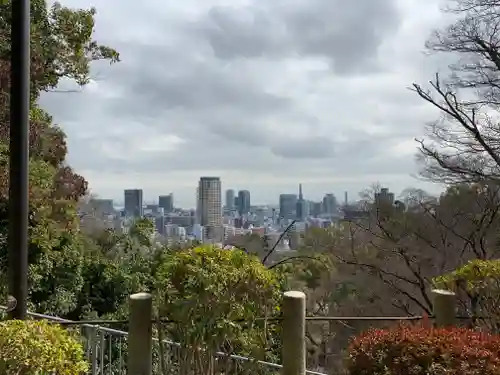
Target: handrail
(168, 342)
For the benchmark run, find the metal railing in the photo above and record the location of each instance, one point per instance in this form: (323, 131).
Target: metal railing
(106, 352)
(115, 352)
(105, 348)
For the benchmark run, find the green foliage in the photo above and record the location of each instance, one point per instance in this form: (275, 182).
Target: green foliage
(214, 296)
(477, 276)
(419, 350)
(62, 47)
(37, 347)
(107, 285)
(55, 251)
(143, 231)
(480, 280)
(61, 43)
(307, 272)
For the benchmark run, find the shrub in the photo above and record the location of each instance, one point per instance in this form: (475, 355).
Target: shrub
(480, 280)
(215, 296)
(418, 350)
(38, 347)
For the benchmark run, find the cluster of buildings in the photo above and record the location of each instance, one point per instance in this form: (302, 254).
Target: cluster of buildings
(217, 221)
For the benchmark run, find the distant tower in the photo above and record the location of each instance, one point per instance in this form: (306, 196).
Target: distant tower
(301, 207)
(133, 203)
(346, 201)
(329, 204)
(288, 206)
(230, 199)
(243, 202)
(166, 202)
(210, 206)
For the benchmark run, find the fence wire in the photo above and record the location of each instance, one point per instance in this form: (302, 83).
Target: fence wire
(106, 352)
(327, 342)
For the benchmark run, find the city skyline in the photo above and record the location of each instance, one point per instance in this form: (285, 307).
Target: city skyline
(324, 105)
(185, 198)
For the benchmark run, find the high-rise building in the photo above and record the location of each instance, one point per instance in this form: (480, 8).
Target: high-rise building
(384, 196)
(102, 206)
(329, 204)
(243, 202)
(198, 206)
(133, 203)
(160, 223)
(288, 206)
(293, 238)
(302, 206)
(166, 202)
(230, 199)
(210, 206)
(316, 208)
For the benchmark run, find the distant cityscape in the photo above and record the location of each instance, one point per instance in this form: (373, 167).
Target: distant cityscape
(219, 221)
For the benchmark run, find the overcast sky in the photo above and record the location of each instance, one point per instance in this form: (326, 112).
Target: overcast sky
(263, 93)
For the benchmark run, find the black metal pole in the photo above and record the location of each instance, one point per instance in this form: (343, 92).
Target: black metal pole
(19, 156)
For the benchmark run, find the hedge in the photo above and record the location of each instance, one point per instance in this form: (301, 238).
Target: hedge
(39, 347)
(420, 350)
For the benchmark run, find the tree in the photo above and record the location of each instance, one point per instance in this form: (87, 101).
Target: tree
(61, 48)
(464, 145)
(143, 231)
(405, 248)
(214, 298)
(399, 253)
(478, 283)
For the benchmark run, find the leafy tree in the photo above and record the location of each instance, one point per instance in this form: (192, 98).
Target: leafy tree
(143, 231)
(107, 285)
(61, 48)
(477, 284)
(214, 297)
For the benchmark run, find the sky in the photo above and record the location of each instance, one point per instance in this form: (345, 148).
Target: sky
(265, 94)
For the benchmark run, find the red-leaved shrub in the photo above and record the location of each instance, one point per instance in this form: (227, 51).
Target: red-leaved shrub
(420, 350)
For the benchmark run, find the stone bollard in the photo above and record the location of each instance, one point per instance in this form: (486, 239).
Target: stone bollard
(140, 334)
(445, 307)
(294, 333)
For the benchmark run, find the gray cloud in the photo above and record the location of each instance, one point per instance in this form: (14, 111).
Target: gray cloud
(282, 90)
(348, 34)
(305, 148)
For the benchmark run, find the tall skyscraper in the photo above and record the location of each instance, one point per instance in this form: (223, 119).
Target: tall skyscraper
(329, 204)
(288, 206)
(101, 206)
(198, 206)
(243, 202)
(384, 196)
(133, 203)
(210, 206)
(230, 199)
(302, 207)
(166, 202)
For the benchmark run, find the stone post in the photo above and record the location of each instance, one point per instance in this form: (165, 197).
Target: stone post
(445, 307)
(294, 333)
(140, 334)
